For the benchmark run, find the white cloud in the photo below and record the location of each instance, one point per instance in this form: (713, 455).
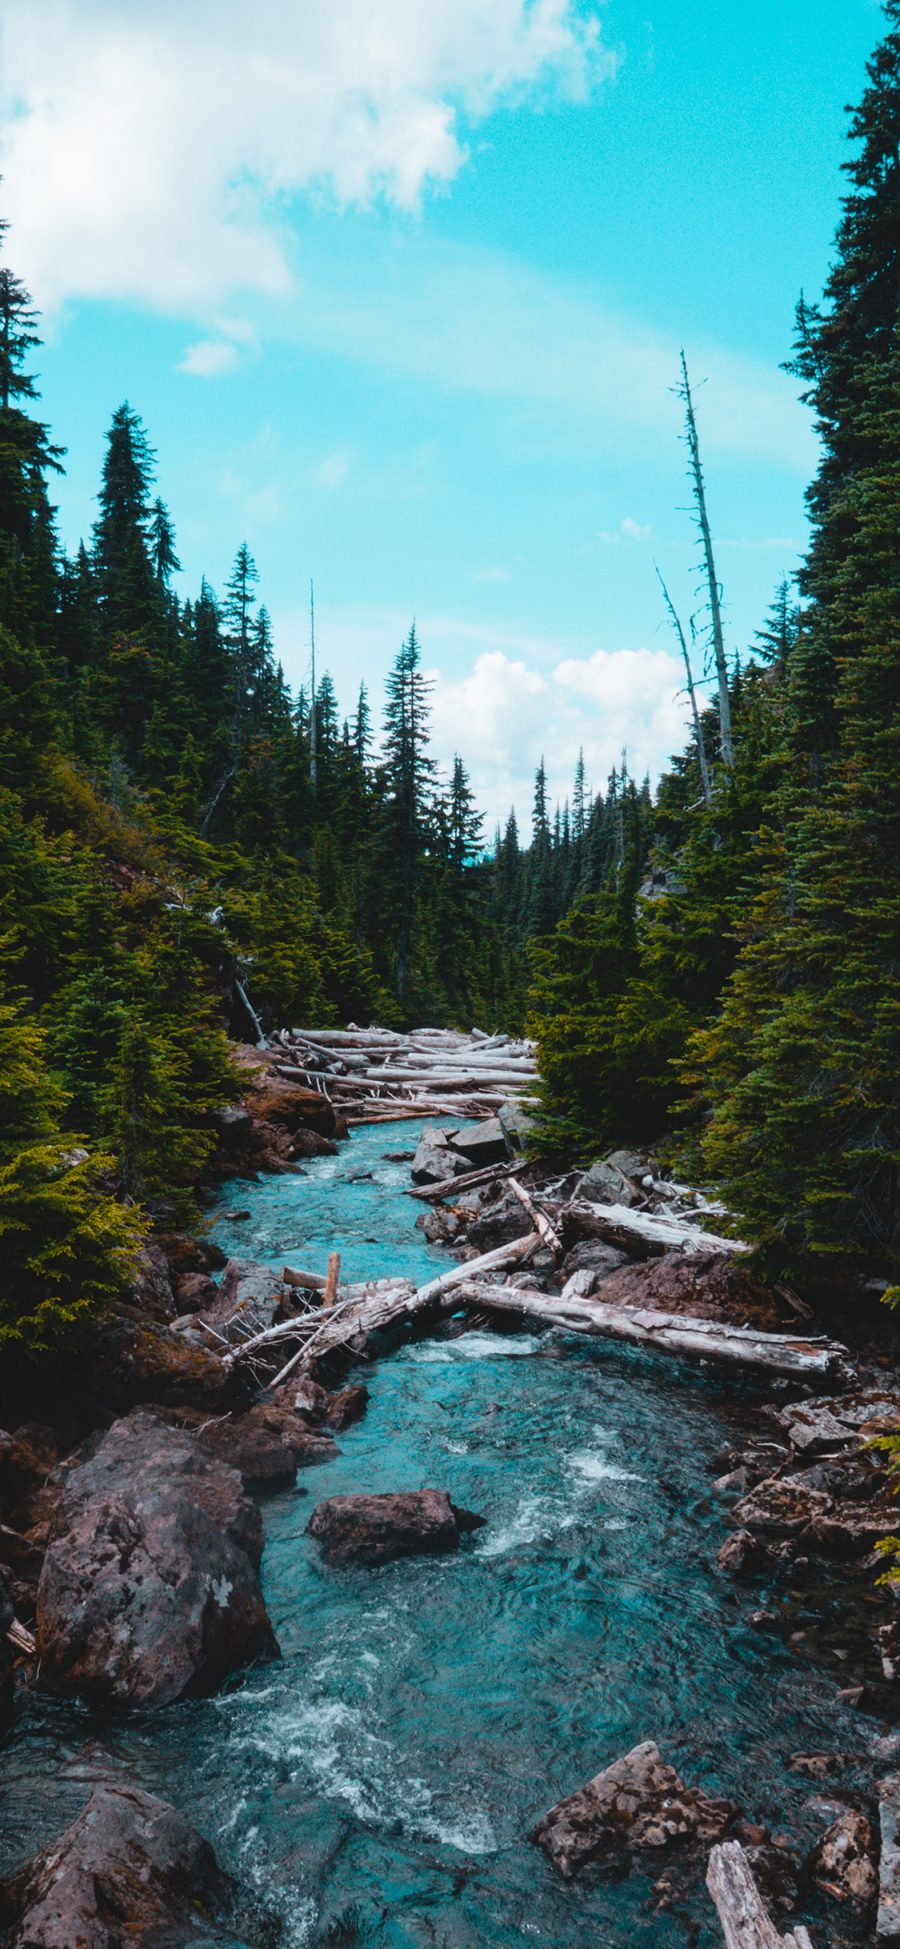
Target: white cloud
(149, 149)
(505, 715)
(627, 530)
(209, 358)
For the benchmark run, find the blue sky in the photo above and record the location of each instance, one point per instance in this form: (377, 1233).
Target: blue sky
(398, 287)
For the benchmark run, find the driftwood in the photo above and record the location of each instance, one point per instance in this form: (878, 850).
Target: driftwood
(539, 1219)
(786, 1355)
(432, 1073)
(22, 1639)
(331, 1283)
(307, 1282)
(646, 1234)
(467, 1181)
(746, 1923)
(364, 1309)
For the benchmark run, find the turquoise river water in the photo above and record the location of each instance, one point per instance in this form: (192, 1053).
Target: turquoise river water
(379, 1783)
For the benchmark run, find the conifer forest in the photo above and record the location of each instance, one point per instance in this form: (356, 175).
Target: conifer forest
(687, 986)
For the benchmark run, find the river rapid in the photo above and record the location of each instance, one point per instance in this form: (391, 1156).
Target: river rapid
(378, 1785)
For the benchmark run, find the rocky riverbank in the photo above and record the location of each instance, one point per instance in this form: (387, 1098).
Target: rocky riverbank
(130, 1538)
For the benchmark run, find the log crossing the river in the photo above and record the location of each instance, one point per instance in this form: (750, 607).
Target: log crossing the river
(384, 1075)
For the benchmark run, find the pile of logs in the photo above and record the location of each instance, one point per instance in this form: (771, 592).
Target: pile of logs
(379, 1075)
(344, 1318)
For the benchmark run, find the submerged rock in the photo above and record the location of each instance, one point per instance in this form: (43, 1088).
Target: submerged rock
(376, 1529)
(129, 1869)
(637, 1802)
(149, 1590)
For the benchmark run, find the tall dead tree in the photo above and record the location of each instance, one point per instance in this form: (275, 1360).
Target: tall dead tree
(695, 712)
(715, 594)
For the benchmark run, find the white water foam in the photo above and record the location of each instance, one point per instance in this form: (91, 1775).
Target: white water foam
(474, 1346)
(592, 1465)
(330, 1745)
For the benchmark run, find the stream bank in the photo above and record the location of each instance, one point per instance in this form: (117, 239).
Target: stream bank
(377, 1785)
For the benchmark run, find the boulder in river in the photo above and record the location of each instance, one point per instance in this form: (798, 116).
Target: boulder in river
(149, 1590)
(129, 1869)
(377, 1529)
(435, 1159)
(637, 1802)
(742, 1554)
(485, 1143)
(266, 1445)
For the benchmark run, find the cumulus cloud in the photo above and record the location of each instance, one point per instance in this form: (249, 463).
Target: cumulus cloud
(504, 715)
(149, 150)
(209, 358)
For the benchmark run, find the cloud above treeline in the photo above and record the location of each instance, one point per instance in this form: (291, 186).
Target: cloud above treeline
(149, 149)
(505, 714)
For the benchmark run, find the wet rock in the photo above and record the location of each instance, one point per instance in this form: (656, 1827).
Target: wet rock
(266, 1445)
(604, 1184)
(781, 1506)
(259, 1451)
(347, 1406)
(21, 1555)
(7, 1682)
(440, 1227)
(485, 1143)
(735, 1483)
(714, 1288)
(311, 1143)
(149, 1590)
(195, 1292)
(129, 1869)
(186, 1254)
(377, 1529)
(248, 1293)
(888, 1923)
(151, 1286)
(499, 1225)
(844, 1861)
(637, 1802)
(132, 1362)
(292, 1106)
(313, 1406)
(434, 1160)
(742, 1554)
(592, 1255)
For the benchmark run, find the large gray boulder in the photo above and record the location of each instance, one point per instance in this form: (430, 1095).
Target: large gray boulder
(129, 1869)
(376, 1529)
(250, 1295)
(486, 1143)
(606, 1184)
(638, 1802)
(435, 1160)
(149, 1591)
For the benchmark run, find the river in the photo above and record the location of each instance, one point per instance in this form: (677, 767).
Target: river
(379, 1783)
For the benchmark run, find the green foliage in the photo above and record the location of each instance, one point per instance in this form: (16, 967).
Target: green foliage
(66, 1244)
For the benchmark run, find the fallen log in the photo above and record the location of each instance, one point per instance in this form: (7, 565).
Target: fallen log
(307, 1282)
(364, 1309)
(467, 1181)
(746, 1923)
(539, 1219)
(646, 1234)
(786, 1356)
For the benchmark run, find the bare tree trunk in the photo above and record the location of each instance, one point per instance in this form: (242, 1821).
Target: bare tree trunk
(695, 713)
(745, 1921)
(715, 597)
